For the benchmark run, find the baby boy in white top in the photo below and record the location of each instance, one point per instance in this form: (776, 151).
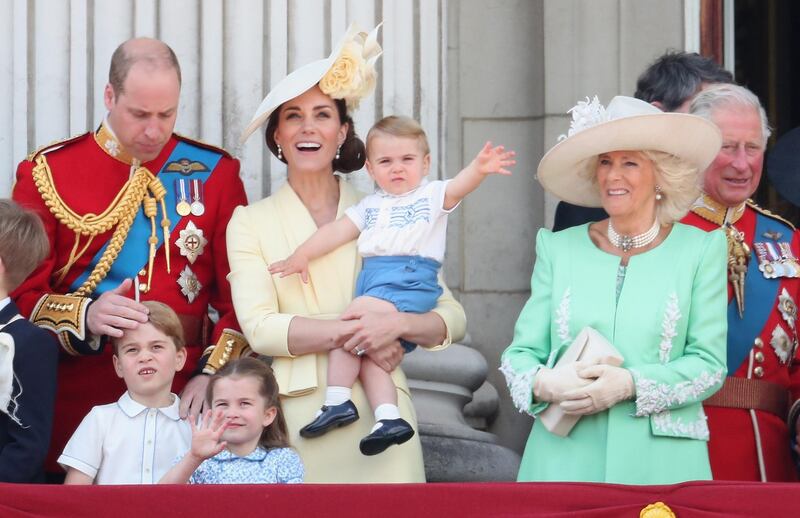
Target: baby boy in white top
(401, 231)
(136, 439)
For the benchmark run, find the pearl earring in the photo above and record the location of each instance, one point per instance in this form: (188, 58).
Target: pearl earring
(658, 193)
(280, 152)
(338, 152)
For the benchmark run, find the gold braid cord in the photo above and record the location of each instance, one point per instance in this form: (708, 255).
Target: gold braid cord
(121, 212)
(738, 254)
(66, 313)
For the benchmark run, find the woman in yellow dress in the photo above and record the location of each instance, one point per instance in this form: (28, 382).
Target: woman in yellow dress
(297, 323)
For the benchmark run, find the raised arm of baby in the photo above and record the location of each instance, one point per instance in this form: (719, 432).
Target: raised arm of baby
(490, 160)
(327, 238)
(206, 442)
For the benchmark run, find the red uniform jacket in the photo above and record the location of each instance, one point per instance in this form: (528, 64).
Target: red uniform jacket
(88, 178)
(743, 440)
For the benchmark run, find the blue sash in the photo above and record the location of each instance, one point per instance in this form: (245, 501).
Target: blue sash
(135, 252)
(759, 299)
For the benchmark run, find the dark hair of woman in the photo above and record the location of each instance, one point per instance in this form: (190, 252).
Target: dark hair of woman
(275, 435)
(351, 156)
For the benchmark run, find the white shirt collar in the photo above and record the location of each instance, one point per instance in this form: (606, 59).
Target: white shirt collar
(5, 302)
(384, 194)
(133, 408)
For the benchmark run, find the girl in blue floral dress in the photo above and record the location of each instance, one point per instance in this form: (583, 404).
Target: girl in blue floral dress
(242, 438)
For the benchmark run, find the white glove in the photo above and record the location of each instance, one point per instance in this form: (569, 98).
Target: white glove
(550, 385)
(612, 385)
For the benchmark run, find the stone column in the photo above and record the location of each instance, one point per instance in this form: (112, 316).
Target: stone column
(442, 383)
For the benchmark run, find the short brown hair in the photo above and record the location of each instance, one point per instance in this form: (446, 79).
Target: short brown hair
(155, 53)
(23, 243)
(402, 127)
(276, 435)
(163, 318)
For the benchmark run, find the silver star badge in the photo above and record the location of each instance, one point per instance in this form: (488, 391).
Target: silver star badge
(189, 284)
(191, 242)
(781, 343)
(787, 308)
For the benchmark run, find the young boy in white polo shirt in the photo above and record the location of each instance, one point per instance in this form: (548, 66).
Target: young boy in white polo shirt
(136, 439)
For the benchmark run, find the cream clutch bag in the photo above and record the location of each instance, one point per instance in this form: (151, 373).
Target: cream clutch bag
(588, 345)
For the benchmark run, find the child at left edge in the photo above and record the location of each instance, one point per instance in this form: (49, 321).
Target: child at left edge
(401, 231)
(28, 354)
(243, 438)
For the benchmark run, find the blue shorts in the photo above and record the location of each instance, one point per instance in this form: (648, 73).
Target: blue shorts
(410, 282)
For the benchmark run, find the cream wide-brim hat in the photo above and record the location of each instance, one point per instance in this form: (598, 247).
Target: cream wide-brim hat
(627, 124)
(307, 76)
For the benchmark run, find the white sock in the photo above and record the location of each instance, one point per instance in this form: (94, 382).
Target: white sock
(336, 396)
(385, 411)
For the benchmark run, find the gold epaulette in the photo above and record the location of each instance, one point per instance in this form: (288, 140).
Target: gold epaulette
(769, 214)
(64, 315)
(204, 145)
(54, 145)
(230, 346)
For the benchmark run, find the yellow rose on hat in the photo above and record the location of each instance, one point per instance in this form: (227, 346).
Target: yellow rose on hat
(352, 75)
(348, 74)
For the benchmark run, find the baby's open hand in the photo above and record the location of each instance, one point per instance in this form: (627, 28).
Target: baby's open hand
(494, 160)
(293, 264)
(207, 438)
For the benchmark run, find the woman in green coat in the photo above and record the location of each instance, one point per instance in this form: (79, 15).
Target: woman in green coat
(654, 288)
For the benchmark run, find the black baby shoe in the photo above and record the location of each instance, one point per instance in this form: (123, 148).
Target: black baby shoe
(393, 431)
(331, 417)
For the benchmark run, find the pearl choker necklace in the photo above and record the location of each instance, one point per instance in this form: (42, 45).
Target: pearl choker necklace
(626, 243)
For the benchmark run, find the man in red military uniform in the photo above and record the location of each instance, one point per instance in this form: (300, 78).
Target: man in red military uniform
(749, 418)
(133, 212)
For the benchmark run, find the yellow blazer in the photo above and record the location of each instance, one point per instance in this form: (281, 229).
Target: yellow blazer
(268, 231)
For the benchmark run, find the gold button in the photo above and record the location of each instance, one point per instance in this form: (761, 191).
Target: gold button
(759, 356)
(759, 342)
(142, 272)
(759, 372)
(143, 287)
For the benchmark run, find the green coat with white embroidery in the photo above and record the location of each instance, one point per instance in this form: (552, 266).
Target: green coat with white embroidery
(669, 324)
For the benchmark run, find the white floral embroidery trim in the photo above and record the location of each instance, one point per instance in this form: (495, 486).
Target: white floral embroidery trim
(520, 385)
(653, 397)
(562, 319)
(671, 316)
(664, 422)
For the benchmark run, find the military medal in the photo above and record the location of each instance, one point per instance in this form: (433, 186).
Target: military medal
(789, 260)
(191, 242)
(197, 207)
(769, 260)
(182, 207)
(190, 285)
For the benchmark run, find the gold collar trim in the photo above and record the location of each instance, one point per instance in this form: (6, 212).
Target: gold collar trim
(108, 142)
(708, 208)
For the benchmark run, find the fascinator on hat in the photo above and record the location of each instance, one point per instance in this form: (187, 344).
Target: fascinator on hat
(627, 124)
(347, 74)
